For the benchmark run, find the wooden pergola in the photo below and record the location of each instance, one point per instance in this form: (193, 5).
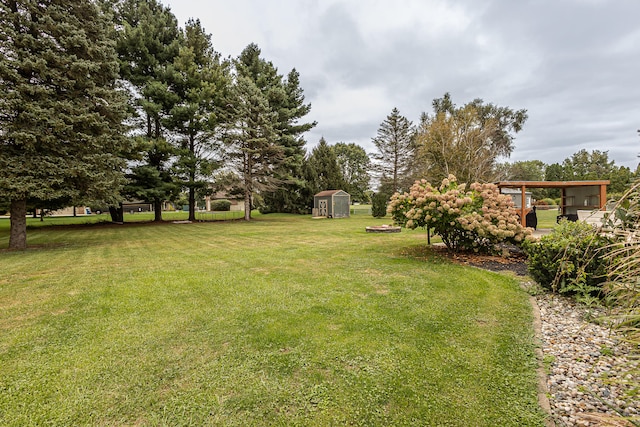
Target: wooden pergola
(595, 201)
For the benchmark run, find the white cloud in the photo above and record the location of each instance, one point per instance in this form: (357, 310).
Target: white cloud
(571, 63)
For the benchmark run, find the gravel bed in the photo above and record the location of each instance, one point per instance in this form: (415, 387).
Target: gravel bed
(587, 367)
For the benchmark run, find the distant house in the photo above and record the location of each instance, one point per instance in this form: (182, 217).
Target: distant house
(137, 206)
(332, 204)
(68, 211)
(237, 202)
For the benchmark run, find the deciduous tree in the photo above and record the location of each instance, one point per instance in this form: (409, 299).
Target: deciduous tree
(468, 218)
(527, 170)
(595, 165)
(585, 165)
(466, 141)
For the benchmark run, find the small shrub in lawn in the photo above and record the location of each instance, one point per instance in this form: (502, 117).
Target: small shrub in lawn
(379, 205)
(541, 204)
(476, 218)
(570, 259)
(221, 205)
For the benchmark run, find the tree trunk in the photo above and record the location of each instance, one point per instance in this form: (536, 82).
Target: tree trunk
(18, 234)
(248, 189)
(192, 204)
(192, 179)
(157, 209)
(247, 205)
(117, 214)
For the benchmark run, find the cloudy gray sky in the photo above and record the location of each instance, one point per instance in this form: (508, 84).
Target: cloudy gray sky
(573, 64)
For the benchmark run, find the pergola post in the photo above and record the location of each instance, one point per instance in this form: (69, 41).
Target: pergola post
(603, 196)
(523, 204)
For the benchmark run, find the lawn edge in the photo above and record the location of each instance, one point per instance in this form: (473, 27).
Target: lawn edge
(543, 390)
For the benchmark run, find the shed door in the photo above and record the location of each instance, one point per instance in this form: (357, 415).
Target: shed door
(322, 208)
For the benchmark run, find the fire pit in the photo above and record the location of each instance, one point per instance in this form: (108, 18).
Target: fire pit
(383, 229)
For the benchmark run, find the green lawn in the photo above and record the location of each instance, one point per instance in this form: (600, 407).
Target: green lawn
(547, 218)
(285, 320)
(128, 217)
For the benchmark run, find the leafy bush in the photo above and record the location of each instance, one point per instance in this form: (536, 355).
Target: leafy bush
(475, 219)
(541, 204)
(221, 205)
(570, 259)
(379, 205)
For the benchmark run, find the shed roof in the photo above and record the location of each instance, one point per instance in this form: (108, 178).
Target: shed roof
(330, 193)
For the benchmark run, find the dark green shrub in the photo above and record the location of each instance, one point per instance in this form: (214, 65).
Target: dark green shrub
(221, 205)
(570, 260)
(379, 203)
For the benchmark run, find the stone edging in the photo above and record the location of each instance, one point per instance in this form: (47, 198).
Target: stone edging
(543, 390)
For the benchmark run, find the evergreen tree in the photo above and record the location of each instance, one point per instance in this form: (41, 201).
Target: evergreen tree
(252, 140)
(324, 163)
(200, 84)
(396, 151)
(354, 165)
(152, 180)
(148, 42)
(286, 99)
(379, 203)
(60, 111)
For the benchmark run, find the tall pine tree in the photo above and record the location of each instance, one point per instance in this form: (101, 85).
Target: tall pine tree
(324, 163)
(61, 113)
(249, 133)
(396, 150)
(201, 83)
(286, 99)
(148, 42)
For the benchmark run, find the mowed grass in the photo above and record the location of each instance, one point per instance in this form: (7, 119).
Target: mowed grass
(284, 320)
(547, 218)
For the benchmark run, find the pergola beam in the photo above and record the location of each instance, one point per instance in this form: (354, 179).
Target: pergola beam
(562, 185)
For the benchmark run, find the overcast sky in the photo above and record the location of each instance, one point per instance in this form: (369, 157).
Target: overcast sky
(573, 64)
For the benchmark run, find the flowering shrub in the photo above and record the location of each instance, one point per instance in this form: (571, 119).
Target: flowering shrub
(474, 218)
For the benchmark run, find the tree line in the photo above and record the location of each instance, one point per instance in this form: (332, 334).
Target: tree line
(109, 100)
(472, 142)
(103, 101)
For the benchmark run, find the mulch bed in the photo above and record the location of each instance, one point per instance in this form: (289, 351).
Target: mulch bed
(516, 262)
